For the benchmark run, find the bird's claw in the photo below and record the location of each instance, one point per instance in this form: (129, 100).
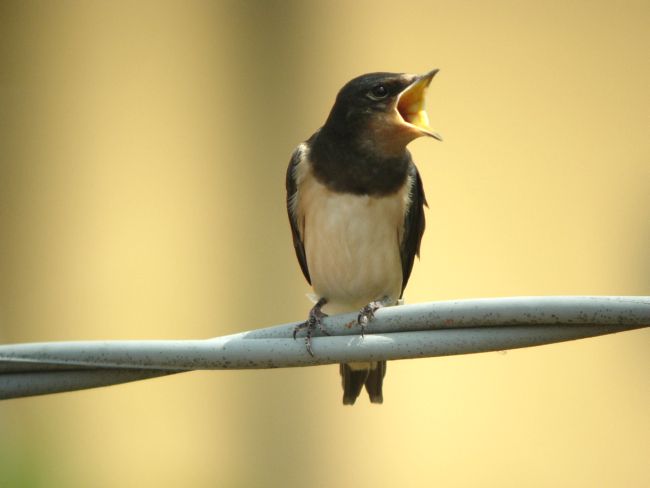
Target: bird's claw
(315, 320)
(367, 313)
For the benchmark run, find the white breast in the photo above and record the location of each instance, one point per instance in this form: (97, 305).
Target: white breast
(352, 243)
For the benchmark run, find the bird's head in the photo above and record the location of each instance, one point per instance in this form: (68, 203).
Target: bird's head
(383, 111)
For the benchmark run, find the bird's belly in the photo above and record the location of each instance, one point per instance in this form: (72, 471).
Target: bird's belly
(352, 248)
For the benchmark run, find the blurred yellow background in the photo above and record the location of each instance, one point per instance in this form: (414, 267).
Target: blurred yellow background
(143, 147)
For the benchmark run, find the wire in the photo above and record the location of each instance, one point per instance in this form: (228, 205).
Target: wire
(403, 332)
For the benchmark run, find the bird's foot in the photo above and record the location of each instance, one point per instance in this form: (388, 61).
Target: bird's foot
(367, 313)
(315, 320)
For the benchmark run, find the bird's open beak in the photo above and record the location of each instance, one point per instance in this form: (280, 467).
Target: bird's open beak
(410, 105)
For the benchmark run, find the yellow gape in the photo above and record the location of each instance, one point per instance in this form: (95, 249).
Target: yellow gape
(410, 105)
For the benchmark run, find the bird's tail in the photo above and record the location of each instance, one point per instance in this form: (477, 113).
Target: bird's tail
(355, 375)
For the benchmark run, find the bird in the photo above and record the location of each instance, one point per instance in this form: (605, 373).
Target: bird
(355, 202)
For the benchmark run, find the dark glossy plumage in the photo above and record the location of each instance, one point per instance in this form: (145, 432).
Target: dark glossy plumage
(298, 244)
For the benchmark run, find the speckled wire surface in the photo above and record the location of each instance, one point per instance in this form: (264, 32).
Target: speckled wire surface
(404, 332)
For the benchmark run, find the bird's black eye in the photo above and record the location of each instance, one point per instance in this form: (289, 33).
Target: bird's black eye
(378, 92)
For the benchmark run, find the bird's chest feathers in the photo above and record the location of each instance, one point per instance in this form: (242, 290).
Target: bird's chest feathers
(352, 242)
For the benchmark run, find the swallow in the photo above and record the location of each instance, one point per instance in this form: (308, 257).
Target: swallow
(356, 207)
